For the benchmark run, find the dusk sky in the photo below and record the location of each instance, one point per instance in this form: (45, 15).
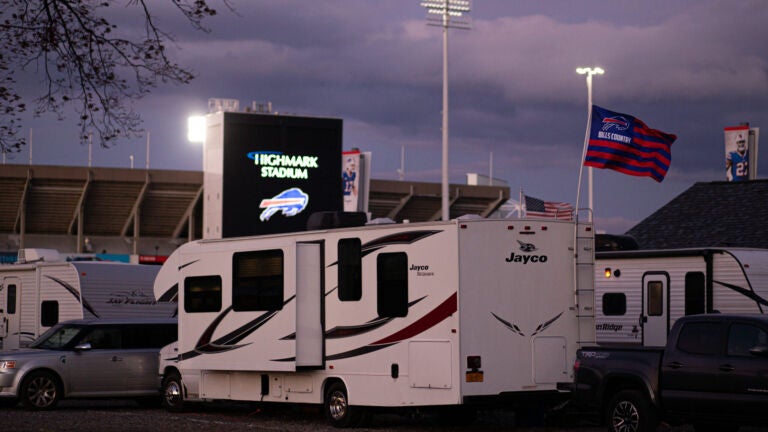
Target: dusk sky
(688, 67)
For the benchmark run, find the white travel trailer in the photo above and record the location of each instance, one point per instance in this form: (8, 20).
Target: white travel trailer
(395, 315)
(43, 290)
(639, 294)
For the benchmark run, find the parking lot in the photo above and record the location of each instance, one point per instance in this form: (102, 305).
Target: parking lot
(127, 416)
(114, 416)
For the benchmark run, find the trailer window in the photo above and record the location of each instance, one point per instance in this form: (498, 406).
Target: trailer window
(614, 304)
(49, 313)
(11, 303)
(655, 298)
(392, 284)
(350, 269)
(202, 294)
(257, 281)
(694, 293)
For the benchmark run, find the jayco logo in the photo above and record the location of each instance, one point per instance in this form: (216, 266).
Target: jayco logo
(526, 258)
(421, 270)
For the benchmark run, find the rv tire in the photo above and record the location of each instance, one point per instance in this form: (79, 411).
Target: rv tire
(173, 392)
(337, 409)
(40, 391)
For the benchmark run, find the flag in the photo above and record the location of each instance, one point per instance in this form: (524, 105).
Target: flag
(626, 144)
(535, 207)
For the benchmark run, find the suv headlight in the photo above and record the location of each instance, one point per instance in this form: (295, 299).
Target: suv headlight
(7, 364)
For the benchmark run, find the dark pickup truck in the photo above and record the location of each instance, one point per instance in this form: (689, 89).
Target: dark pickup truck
(713, 374)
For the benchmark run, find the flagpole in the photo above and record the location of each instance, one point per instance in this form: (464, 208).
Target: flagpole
(588, 72)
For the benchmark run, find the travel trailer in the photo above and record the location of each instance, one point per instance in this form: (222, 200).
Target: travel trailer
(42, 289)
(639, 294)
(394, 315)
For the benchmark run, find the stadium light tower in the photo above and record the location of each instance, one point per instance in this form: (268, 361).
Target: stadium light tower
(448, 14)
(589, 72)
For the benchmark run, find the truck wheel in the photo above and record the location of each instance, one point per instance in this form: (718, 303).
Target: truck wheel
(40, 391)
(337, 409)
(173, 392)
(631, 411)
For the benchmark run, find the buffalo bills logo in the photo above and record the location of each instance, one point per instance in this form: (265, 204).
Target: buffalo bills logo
(290, 202)
(617, 123)
(527, 247)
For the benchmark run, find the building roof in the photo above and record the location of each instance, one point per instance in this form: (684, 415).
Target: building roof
(724, 214)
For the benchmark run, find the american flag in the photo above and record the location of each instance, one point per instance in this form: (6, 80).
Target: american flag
(537, 208)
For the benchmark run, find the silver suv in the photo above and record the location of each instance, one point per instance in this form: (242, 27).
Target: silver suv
(87, 358)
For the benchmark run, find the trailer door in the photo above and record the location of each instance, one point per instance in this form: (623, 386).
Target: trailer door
(655, 316)
(10, 303)
(309, 290)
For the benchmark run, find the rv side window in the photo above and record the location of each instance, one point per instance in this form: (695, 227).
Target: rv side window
(694, 293)
(257, 281)
(350, 269)
(11, 303)
(614, 304)
(392, 284)
(202, 294)
(655, 298)
(49, 313)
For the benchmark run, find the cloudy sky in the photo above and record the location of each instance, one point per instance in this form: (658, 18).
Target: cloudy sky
(688, 67)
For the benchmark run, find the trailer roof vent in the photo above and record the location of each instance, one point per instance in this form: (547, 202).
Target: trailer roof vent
(37, 255)
(334, 219)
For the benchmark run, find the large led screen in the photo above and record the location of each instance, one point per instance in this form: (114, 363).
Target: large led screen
(277, 171)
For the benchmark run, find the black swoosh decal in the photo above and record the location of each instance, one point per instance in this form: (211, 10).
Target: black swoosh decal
(172, 295)
(745, 292)
(74, 292)
(227, 342)
(507, 324)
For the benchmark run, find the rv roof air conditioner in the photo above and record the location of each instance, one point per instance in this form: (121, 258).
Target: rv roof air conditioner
(36, 255)
(334, 219)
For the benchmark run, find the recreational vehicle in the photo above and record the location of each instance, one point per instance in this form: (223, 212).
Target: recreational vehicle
(42, 290)
(395, 315)
(639, 294)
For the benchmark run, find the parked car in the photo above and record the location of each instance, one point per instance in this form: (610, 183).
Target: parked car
(87, 359)
(713, 373)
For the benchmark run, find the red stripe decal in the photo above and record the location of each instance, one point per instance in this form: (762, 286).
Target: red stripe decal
(443, 311)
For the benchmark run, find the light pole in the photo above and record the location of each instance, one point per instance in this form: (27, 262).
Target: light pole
(449, 12)
(588, 72)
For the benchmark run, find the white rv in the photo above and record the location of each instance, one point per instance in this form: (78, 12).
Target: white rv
(45, 290)
(397, 315)
(639, 294)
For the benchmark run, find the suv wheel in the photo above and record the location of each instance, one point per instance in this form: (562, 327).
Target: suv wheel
(40, 391)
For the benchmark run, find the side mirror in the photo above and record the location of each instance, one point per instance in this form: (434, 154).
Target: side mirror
(83, 347)
(759, 351)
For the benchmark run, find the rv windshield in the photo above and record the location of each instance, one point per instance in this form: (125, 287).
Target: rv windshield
(57, 337)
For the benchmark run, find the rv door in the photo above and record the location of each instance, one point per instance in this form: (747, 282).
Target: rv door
(655, 314)
(309, 298)
(11, 299)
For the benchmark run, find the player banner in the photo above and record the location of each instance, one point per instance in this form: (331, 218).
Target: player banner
(737, 153)
(350, 181)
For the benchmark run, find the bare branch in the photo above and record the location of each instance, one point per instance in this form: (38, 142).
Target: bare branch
(84, 63)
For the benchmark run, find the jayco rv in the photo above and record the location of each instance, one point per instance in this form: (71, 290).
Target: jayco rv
(396, 315)
(639, 294)
(42, 290)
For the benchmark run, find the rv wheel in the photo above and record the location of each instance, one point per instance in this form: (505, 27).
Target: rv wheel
(337, 409)
(40, 391)
(173, 392)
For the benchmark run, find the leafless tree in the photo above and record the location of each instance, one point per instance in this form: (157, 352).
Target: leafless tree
(84, 62)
